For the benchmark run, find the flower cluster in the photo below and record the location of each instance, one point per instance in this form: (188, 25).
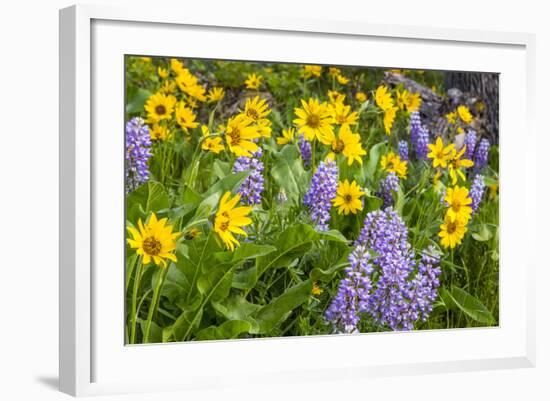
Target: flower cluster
(460, 116)
(415, 124)
(353, 292)
(385, 233)
(392, 163)
(447, 156)
(408, 101)
(305, 151)
(321, 193)
(481, 156)
(386, 287)
(470, 142)
(422, 291)
(422, 142)
(386, 103)
(403, 150)
(476, 191)
(138, 152)
(457, 216)
(388, 186)
(252, 187)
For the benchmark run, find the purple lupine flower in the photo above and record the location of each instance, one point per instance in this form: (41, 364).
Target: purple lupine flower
(481, 156)
(388, 185)
(321, 193)
(305, 150)
(470, 142)
(422, 142)
(403, 150)
(401, 294)
(385, 233)
(138, 152)
(414, 125)
(476, 191)
(422, 289)
(353, 292)
(252, 187)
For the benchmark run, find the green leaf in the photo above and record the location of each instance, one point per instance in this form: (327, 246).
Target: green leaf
(186, 323)
(289, 174)
(220, 168)
(278, 310)
(292, 243)
(374, 159)
(245, 251)
(155, 332)
(326, 275)
(400, 202)
(236, 308)
(227, 330)
(245, 279)
(189, 202)
(150, 197)
(216, 283)
(483, 233)
(135, 105)
(471, 306)
(190, 264)
(372, 203)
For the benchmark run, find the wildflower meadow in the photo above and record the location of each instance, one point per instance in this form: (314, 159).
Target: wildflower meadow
(270, 199)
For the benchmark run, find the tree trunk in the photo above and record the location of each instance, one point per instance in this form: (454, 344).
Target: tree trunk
(483, 85)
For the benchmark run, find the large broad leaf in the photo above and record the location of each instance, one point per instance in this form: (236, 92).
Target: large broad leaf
(235, 308)
(482, 233)
(190, 199)
(135, 105)
(372, 203)
(220, 168)
(227, 330)
(327, 274)
(215, 284)
(192, 256)
(155, 332)
(293, 242)
(471, 306)
(375, 154)
(278, 310)
(216, 279)
(246, 250)
(185, 324)
(150, 197)
(289, 174)
(400, 202)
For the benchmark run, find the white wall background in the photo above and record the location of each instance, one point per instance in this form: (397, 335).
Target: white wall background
(29, 200)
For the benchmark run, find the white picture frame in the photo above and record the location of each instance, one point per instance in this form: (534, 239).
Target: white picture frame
(93, 358)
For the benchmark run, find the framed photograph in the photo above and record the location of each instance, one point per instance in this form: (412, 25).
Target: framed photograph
(318, 200)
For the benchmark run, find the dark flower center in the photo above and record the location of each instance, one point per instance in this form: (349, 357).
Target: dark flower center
(160, 109)
(313, 121)
(451, 227)
(224, 226)
(348, 198)
(338, 146)
(152, 246)
(456, 206)
(252, 113)
(235, 136)
(340, 119)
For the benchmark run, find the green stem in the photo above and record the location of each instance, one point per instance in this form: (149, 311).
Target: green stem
(154, 304)
(133, 317)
